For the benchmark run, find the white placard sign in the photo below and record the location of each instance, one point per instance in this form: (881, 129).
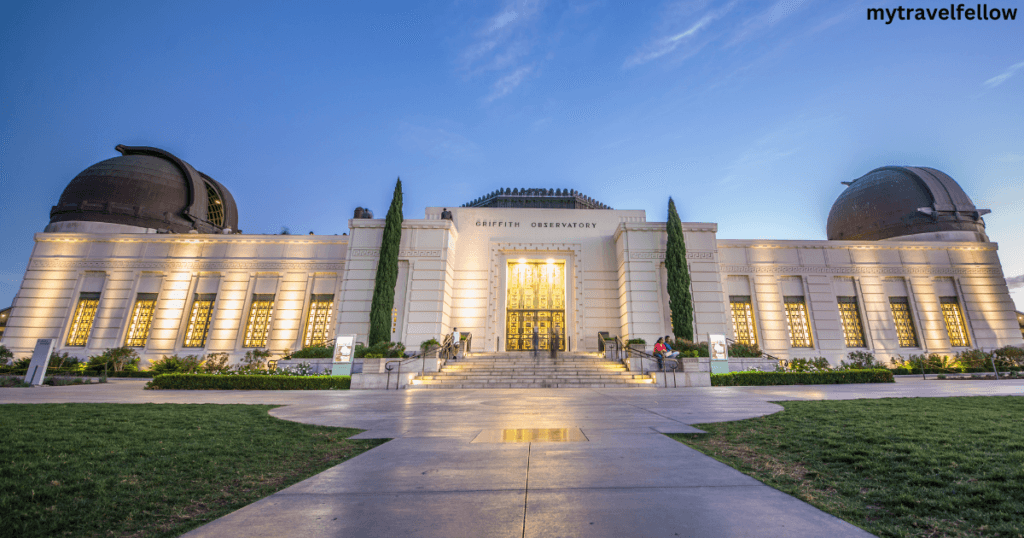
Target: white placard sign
(343, 348)
(717, 347)
(40, 361)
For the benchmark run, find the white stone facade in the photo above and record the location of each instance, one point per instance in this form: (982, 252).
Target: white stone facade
(452, 274)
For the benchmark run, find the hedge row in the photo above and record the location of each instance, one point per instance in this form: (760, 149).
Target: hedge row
(917, 371)
(801, 378)
(247, 382)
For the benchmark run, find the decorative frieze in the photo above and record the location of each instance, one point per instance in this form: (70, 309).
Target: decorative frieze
(859, 270)
(660, 255)
(375, 253)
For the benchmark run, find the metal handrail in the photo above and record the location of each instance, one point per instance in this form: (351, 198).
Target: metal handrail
(398, 379)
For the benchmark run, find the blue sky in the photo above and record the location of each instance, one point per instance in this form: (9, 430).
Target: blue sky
(748, 113)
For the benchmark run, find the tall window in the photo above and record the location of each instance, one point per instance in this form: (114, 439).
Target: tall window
(799, 322)
(199, 320)
(954, 322)
(81, 323)
(850, 315)
(141, 320)
(743, 319)
(319, 319)
(905, 332)
(258, 326)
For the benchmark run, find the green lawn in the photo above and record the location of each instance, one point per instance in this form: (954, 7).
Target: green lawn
(149, 470)
(928, 467)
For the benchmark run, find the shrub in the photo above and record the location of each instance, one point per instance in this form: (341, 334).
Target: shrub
(215, 362)
(189, 364)
(686, 348)
(971, 358)
(117, 359)
(801, 378)
(744, 351)
(815, 364)
(427, 344)
(390, 350)
(254, 359)
(5, 354)
(860, 360)
(313, 352)
(247, 382)
(638, 341)
(1010, 355)
(21, 363)
(65, 360)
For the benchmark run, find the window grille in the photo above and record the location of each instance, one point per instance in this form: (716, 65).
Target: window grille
(905, 332)
(214, 207)
(199, 320)
(955, 326)
(850, 314)
(798, 321)
(141, 320)
(743, 319)
(257, 328)
(318, 320)
(85, 315)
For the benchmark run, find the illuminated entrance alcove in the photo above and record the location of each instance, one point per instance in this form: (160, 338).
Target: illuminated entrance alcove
(535, 297)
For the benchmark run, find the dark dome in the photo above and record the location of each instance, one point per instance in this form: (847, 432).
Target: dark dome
(149, 188)
(895, 201)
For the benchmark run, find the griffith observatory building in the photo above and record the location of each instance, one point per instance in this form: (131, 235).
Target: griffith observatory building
(143, 250)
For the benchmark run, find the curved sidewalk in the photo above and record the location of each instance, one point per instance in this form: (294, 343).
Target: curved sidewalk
(443, 474)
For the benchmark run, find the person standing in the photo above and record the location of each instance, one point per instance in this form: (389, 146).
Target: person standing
(555, 341)
(536, 341)
(456, 341)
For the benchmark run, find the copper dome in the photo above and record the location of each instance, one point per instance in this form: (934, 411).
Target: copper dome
(896, 201)
(148, 188)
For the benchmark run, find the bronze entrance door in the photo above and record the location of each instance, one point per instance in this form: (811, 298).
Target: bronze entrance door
(536, 298)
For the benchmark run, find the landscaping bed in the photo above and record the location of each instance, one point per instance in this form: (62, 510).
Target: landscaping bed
(831, 377)
(248, 382)
(925, 467)
(150, 469)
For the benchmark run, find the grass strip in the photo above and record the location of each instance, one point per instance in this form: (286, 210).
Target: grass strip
(150, 469)
(921, 467)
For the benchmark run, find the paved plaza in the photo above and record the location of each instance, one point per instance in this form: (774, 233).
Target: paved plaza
(446, 472)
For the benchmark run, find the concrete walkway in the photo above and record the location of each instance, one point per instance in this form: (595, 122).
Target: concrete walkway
(440, 476)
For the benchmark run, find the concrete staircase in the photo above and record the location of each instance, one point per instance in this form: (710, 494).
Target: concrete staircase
(521, 370)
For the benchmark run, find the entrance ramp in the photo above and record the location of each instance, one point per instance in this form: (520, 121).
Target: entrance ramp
(511, 370)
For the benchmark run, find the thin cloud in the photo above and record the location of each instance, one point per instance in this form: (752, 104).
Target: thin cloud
(506, 84)
(1015, 282)
(1002, 77)
(502, 45)
(667, 44)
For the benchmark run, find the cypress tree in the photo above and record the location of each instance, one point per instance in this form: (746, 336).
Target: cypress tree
(679, 299)
(387, 272)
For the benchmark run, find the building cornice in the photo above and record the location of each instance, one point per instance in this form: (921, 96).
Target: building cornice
(48, 237)
(662, 226)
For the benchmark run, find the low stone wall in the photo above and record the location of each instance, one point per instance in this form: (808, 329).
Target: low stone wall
(672, 380)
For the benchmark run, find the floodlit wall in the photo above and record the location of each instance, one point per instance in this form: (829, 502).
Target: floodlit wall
(874, 273)
(174, 267)
(426, 258)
